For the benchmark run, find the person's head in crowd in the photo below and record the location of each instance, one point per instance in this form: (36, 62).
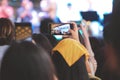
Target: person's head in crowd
(42, 40)
(44, 29)
(27, 4)
(7, 34)
(69, 5)
(44, 5)
(25, 61)
(24, 2)
(67, 56)
(112, 43)
(4, 2)
(44, 26)
(70, 53)
(6, 10)
(49, 7)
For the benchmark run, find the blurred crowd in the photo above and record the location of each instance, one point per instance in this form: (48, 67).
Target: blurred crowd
(26, 11)
(77, 56)
(58, 11)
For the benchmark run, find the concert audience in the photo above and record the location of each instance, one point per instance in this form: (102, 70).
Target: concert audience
(26, 13)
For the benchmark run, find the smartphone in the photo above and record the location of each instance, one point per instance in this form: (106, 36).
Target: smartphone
(60, 28)
(23, 31)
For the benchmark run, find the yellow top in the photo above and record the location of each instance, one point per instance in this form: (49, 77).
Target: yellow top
(71, 50)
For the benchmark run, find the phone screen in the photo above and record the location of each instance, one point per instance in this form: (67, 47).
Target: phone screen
(23, 31)
(60, 29)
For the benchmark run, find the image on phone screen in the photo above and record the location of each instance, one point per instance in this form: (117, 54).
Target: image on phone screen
(60, 29)
(23, 31)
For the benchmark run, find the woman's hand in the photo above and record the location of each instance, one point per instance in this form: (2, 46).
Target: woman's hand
(74, 31)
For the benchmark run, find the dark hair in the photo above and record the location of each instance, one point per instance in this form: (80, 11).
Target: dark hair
(6, 31)
(44, 26)
(44, 29)
(111, 31)
(111, 35)
(25, 61)
(42, 40)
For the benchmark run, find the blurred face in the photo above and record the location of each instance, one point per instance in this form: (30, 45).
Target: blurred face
(4, 2)
(24, 2)
(28, 5)
(44, 5)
